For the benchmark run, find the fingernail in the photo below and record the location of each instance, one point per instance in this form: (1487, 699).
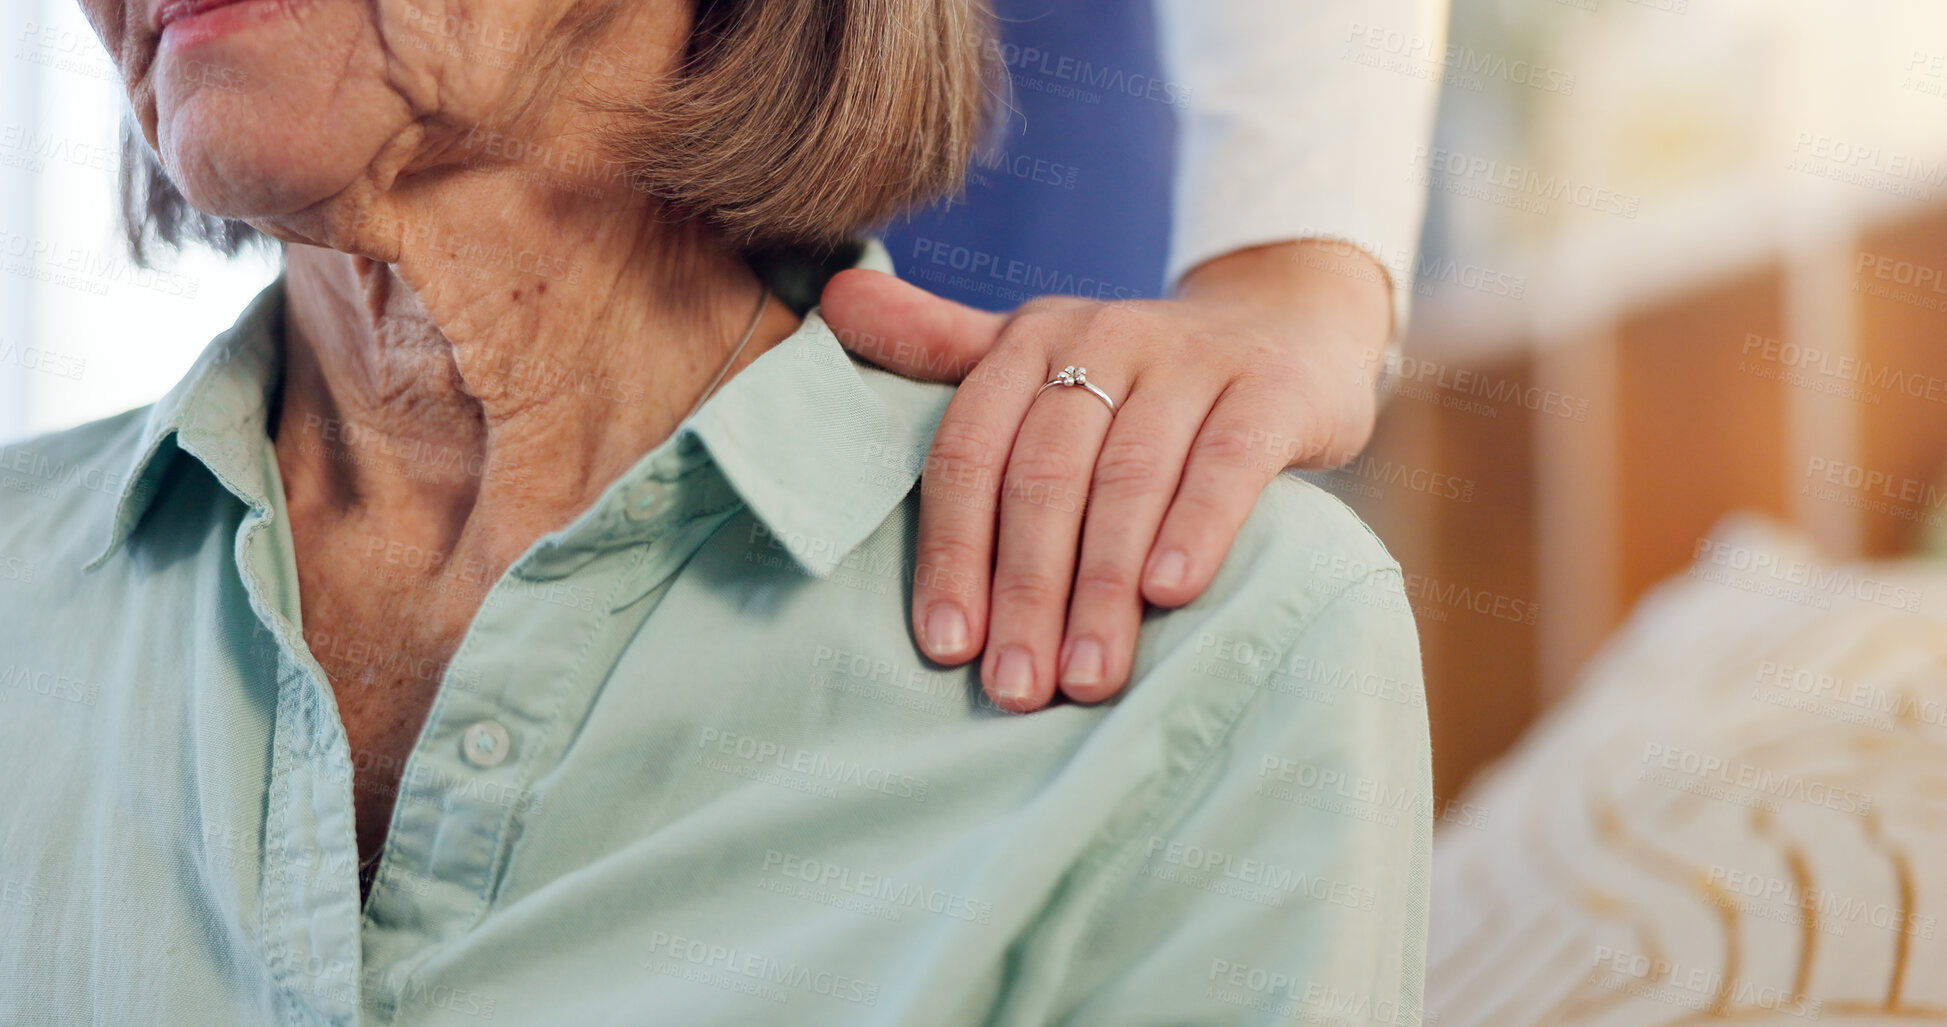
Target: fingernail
(1084, 663)
(946, 629)
(1170, 569)
(1013, 675)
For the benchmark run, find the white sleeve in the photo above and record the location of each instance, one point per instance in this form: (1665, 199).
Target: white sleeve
(1303, 120)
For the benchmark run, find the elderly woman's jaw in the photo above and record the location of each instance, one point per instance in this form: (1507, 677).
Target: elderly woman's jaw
(462, 258)
(455, 147)
(262, 109)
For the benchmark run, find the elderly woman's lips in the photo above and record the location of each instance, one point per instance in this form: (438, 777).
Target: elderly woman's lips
(187, 22)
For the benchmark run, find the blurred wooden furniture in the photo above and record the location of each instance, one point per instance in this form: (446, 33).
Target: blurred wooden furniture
(1560, 457)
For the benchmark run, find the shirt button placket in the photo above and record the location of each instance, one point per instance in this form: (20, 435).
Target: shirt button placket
(515, 675)
(520, 671)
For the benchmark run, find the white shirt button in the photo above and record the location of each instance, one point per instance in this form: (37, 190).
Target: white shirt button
(642, 499)
(486, 743)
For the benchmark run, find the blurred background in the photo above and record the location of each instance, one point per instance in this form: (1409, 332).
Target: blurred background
(1682, 258)
(83, 332)
(1663, 460)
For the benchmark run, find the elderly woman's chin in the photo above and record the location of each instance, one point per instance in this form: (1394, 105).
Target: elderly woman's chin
(252, 167)
(251, 143)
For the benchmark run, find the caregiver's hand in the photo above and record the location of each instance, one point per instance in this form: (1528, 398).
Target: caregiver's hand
(1069, 517)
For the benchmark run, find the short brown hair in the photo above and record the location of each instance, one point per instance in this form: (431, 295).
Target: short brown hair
(789, 123)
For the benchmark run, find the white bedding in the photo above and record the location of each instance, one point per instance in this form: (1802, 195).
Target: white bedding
(1741, 811)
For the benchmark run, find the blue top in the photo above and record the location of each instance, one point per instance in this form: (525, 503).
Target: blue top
(1072, 195)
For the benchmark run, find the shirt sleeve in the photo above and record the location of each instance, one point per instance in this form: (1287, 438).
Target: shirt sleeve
(1291, 882)
(1304, 119)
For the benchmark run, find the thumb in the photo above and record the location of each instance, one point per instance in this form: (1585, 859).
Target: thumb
(906, 329)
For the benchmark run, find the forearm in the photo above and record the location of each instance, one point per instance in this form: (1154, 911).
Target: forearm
(1288, 134)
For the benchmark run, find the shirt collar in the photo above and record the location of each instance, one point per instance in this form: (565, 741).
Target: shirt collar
(218, 413)
(819, 446)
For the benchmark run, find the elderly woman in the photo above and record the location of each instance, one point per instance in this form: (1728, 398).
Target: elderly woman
(507, 618)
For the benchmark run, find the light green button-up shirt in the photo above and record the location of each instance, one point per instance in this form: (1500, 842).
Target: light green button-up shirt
(686, 766)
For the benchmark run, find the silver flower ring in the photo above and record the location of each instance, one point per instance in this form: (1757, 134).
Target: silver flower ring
(1076, 376)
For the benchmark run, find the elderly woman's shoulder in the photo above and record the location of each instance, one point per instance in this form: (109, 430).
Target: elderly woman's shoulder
(60, 489)
(1301, 560)
(1294, 500)
(1304, 546)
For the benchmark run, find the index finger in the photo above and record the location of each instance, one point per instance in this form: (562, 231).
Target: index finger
(960, 492)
